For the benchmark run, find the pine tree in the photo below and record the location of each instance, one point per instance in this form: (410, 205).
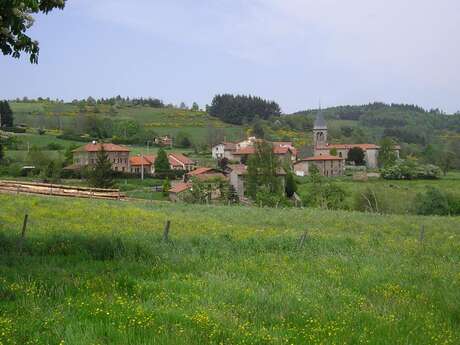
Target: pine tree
(162, 166)
(101, 175)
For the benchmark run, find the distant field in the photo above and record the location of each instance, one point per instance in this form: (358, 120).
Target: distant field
(397, 196)
(98, 273)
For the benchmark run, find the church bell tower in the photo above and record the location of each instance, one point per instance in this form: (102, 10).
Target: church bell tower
(319, 131)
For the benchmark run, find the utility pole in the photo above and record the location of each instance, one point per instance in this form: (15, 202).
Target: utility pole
(142, 166)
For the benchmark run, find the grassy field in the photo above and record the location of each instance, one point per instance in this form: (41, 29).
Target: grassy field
(396, 197)
(98, 273)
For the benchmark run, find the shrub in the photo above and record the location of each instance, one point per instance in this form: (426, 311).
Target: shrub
(454, 204)
(432, 202)
(54, 147)
(409, 170)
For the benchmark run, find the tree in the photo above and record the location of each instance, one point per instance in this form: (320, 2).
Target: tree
(356, 155)
(291, 185)
(16, 19)
(101, 176)
(333, 152)
(195, 106)
(263, 168)
(2, 153)
(387, 154)
(6, 115)
(257, 129)
(166, 187)
(182, 140)
(162, 166)
(239, 109)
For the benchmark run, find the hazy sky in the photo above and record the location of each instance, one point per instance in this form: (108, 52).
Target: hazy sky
(292, 51)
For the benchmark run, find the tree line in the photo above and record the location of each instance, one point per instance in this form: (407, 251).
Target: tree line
(242, 109)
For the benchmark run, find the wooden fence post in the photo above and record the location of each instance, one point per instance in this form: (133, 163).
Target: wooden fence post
(302, 239)
(422, 234)
(166, 231)
(23, 232)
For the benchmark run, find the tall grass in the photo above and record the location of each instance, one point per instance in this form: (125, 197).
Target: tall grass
(99, 273)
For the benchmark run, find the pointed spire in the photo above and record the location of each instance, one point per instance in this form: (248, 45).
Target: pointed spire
(320, 122)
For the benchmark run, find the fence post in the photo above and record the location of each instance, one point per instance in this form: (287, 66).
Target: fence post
(302, 239)
(23, 232)
(422, 234)
(166, 231)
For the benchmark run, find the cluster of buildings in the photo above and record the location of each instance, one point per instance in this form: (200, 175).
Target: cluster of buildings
(122, 160)
(329, 159)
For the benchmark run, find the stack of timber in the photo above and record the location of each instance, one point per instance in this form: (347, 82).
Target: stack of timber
(21, 187)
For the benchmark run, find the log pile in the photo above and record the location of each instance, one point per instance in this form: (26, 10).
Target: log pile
(21, 187)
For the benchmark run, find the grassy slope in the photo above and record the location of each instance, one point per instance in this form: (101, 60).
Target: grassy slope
(396, 196)
(162, 120)
(97, 273)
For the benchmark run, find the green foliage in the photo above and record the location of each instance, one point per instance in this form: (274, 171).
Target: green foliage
(258, 129)
(195, 107)
(323, 193)
(333, 152)
(6, 114)
(162, 166)
(410, 170)
(101, 175)
(2, 151)
(89, 270)
(387, 155)
(291, 185)
(16, 19)
(166, 187)
(356, 155)
(182, 140)
(432, 202)
(239, 109)
(263, 171)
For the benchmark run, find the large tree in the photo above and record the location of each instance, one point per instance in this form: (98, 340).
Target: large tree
(2, 154)
(240, 109)
(162, 166)
(263, 169)
(6, 114)
(387, 154)
(15, 19)
(101, 175)
(356, 155)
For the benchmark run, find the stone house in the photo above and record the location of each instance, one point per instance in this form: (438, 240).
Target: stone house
(224, 150)
(87, 156)
(237, 175)
(330, 166)
(322, 147)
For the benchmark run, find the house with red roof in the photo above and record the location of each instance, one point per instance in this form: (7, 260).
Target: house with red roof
(87, 155)
(177, 161)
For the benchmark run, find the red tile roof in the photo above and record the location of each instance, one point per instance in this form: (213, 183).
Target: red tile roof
(141, 160)
(250, 150)
(179, 159)
(200, 170)
(349, 146)
(97, 147)
(321, 158)
(280, 150)
(180, 187)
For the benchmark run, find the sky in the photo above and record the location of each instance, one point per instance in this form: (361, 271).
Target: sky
(296, 52)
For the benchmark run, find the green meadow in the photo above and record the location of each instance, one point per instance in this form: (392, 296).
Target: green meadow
(98, 272)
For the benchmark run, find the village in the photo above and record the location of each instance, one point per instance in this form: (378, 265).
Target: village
(231, 158)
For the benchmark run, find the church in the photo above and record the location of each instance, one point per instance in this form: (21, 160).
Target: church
(333, 165)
